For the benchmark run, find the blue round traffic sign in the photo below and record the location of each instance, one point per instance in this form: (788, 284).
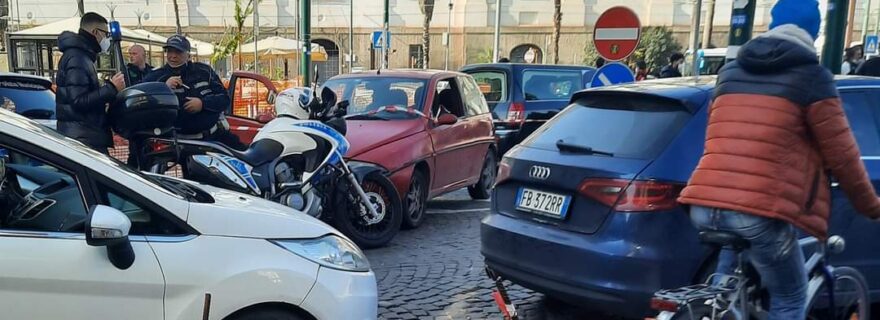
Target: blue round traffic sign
(611, 74)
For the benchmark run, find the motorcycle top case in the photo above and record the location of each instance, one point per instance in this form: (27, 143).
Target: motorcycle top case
(148, 108)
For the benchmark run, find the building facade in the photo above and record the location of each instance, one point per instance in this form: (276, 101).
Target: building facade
(526, 25)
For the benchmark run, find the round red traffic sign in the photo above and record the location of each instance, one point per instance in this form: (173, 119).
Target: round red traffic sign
(617, 33)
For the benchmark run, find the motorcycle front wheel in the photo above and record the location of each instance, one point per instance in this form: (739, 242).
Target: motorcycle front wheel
(354, 220)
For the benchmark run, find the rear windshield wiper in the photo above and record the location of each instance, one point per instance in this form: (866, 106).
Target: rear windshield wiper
(568, 147)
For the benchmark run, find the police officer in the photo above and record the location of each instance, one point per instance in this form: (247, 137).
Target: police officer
(202, 97)
(138, 68)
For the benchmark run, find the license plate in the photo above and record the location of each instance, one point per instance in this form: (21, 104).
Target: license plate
(541, 202)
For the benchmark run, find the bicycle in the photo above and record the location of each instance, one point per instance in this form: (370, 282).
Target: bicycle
(832, 292)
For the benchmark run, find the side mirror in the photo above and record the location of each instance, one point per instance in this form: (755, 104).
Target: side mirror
(446, 119)
(271, 98)
(108, 227)
(265, 118)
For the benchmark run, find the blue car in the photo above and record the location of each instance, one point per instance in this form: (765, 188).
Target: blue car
(524, 96)
(585, 209)
(30, 96)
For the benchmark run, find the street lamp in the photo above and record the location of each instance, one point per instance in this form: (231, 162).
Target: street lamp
(448, 34)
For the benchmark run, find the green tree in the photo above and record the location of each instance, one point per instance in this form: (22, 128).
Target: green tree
(590, 53)
(655, 47)
(233, 38)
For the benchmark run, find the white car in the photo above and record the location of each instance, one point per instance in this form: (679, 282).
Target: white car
(84, 237)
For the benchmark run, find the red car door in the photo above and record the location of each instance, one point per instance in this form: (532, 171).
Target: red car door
(457, 145)
(479, 131)
(253, 98)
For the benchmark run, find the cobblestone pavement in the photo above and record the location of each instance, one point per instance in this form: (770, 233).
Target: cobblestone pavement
(436, 271)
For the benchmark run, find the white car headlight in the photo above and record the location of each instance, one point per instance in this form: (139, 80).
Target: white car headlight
(330, 251)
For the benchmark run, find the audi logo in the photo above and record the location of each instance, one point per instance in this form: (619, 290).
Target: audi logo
(539, 172)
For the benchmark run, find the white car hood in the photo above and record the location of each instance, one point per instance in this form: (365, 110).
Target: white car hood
(239, 215)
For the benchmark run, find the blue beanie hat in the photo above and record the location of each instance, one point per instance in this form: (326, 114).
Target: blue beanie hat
(803, 13)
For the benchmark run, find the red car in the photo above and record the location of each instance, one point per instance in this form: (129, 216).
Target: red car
(431, 130)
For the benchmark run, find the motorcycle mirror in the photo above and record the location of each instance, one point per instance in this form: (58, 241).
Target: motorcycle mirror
(328, 97)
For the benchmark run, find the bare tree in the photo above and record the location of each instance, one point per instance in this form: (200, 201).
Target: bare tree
(557, 26)
(710, 19)
(81, 7)
(140, 14)
(177, 16)
(427, 7)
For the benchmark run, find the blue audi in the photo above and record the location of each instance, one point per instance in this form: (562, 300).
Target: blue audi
(584, 210)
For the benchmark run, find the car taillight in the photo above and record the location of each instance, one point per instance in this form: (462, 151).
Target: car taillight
(663, 305)
(516, 115)
(158, 146)
(635, 196)
(503, 171)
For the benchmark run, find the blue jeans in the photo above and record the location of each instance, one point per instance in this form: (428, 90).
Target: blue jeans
(774, 253)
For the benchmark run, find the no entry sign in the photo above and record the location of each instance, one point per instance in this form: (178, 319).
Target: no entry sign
(617, 33)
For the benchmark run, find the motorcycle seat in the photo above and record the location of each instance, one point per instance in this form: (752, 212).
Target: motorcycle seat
(260, 152)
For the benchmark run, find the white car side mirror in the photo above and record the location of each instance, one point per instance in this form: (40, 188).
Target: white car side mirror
(106, 226)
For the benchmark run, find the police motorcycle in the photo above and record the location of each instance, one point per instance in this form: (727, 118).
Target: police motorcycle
(296, 160)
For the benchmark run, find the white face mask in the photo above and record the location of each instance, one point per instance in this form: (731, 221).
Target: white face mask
(105, 44)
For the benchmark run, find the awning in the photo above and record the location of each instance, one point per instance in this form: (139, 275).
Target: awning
(51, 31)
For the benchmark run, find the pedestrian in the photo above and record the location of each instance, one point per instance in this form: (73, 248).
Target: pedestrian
(600, 62)
(775, 126)
(641, 70)
(81, 101)
(138, 68)
(672, 69)
(503, 60)
(869, 68)
(854, 56)
(201, 95)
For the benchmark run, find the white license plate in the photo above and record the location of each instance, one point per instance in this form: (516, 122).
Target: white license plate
(541, 202)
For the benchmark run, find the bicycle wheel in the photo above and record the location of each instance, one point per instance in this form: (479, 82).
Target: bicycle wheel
(850, 297)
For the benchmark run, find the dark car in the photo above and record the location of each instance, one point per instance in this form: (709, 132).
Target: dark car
(30, 96)
(585, 209)
(524, 96)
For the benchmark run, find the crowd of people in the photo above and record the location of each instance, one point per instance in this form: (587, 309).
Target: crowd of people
(83, 101)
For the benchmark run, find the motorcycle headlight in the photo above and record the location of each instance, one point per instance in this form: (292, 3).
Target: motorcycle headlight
(330, 251)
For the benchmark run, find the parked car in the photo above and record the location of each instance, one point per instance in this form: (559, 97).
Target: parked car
(610, 232)
(30, 96)
(713, 60)
(416, 124)
(523, 96)
(431, 131)
(85, 237)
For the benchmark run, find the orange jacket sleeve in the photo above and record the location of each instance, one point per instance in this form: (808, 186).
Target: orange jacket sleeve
(841, 155)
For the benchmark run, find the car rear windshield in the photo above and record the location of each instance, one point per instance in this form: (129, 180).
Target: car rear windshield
(29, 98)
(551, 84)
(632, 126)
(493, 85)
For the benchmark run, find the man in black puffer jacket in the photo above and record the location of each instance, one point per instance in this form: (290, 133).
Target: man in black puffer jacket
(81, 101)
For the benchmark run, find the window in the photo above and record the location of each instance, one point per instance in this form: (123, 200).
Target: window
(38, 196)
(379, 94)
(528, 18)
(475, 104)
(629, 126)
(862, 121)
(492, 84)
(415, 56)
(251, 99)
(143, 220)
(448, 99)
(551, 84)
